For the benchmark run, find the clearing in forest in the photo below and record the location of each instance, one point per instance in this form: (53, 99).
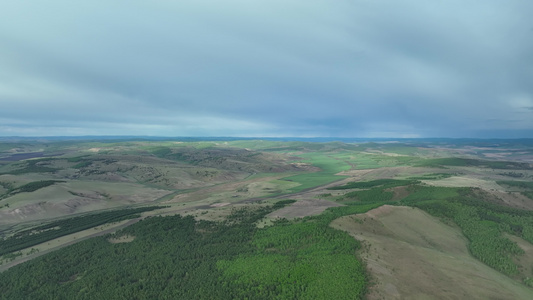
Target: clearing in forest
(303, 208)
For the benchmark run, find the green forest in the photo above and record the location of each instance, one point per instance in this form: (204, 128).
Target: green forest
(49, 231)
(180, 258)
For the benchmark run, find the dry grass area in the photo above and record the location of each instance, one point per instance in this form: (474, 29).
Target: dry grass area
(390, 172)
(199, 210)
(513, 199)
(464, 181)
(380, 152)
(303, 208)
(220, 204)
(235, 191)
(412, 255)
(496, 192)
(356, 174)
(59, 200)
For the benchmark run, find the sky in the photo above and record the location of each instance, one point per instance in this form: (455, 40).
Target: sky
(267, 68)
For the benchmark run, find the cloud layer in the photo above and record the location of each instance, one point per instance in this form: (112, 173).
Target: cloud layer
(267, 68)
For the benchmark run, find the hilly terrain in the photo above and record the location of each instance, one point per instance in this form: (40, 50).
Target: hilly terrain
(263, 219)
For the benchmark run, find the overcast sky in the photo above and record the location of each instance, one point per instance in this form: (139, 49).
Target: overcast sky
(333, 68)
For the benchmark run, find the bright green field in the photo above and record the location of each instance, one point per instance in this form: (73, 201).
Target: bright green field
(329, 165)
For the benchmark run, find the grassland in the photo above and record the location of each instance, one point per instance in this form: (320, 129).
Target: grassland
(329, 166)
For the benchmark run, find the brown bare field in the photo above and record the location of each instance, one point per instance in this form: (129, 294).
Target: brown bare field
(412, 255)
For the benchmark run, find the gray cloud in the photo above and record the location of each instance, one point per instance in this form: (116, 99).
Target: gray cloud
(266, 68)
